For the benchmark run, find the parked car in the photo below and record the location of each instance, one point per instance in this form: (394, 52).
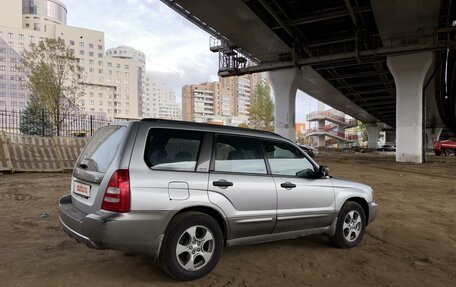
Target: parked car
(446, 148)
(311, 151)
(387, 148)
(181, 192)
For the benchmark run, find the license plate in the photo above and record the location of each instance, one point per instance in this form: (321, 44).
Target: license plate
(81, 189)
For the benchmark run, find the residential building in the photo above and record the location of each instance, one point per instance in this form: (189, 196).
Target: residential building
(226, 101)
(159, 101)
(112, 82)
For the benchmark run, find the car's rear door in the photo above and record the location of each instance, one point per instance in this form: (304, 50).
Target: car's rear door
(240, 185)
(101, 156)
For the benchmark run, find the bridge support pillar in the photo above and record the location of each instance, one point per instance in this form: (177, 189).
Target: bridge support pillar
(373, 132)
(284, 86)
(321, 138)
(432, 135)
(409, 72)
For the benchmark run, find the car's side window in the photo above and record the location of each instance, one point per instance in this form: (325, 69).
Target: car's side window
(238, 154)
(285, 159)
(172, 149)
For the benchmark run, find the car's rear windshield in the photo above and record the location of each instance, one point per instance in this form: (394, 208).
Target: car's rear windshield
(101, 149)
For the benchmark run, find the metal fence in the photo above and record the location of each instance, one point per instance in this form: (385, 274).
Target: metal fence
(41, 123)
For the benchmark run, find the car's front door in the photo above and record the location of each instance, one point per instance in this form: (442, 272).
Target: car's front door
(240, 185)
(304, 200)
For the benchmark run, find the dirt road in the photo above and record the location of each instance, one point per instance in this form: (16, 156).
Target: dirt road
(412, 242)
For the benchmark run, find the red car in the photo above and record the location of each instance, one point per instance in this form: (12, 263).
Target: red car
(445, 148)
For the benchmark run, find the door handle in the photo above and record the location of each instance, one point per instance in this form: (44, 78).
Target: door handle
(222, 183)
(288, 185)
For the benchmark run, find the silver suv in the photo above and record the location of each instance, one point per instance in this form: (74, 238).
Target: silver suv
(180, 192)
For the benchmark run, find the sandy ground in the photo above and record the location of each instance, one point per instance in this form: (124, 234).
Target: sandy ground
(412, 242)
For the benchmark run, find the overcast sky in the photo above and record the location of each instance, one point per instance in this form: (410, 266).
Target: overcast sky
(177, 52)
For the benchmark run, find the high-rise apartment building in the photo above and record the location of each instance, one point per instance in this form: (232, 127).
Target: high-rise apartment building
(113, 83)
(226, 101)
(159, 101)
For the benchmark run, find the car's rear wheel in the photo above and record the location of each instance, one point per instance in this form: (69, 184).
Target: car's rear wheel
(350, 227)
(192, 246)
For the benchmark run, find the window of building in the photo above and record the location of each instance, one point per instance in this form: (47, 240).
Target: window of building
(31, 38)
(126, 67)
(118, 66)
(91, 54)
(91, 62)
(100, 71)
(100, 55)
(285, 159)
(100, 47)
(109, 65)
(10, 35)
(21, 36)
(100, 63)
(81, 44)
(36, 26)
(126, 81)
(126, 74)
(90, 45)
(238, 154)
(71, 42)
(172, 149)
(81, 52)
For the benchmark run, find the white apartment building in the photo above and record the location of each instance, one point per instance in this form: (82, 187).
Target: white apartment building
(113, 83)
(159, 101)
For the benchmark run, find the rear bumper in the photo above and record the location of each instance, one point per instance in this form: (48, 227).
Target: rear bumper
(133, 231)
(373, 207)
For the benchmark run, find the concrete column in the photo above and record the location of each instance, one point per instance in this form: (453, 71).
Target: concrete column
(284, 86)
(321, 138)
(409, 72)
(373, 132)
(341, 143)
(432, 135)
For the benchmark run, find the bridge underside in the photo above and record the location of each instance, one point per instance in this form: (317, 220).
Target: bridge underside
(345, 47)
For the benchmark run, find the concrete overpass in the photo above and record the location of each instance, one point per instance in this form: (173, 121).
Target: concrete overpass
(373, 60)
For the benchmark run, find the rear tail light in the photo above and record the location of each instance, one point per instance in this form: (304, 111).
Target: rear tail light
(117, 194)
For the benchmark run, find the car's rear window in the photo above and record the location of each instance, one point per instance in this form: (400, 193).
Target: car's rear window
(102, 147)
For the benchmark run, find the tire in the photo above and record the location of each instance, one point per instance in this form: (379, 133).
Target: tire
(350, 227)
(446, 152)
(192, 246)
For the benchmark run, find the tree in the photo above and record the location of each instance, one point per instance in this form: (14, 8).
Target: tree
(362, 130)
(34, 119)
(261, 112)
(53, 76)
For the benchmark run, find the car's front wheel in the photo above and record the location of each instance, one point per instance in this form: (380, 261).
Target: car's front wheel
(192, 246)
(350, 227)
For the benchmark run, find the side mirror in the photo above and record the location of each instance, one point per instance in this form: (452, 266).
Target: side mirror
(324, 170)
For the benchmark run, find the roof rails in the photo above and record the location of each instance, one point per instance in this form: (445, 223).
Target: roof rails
(207, 125)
